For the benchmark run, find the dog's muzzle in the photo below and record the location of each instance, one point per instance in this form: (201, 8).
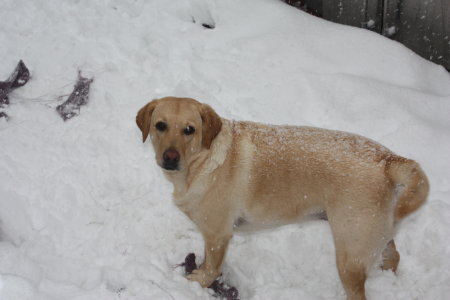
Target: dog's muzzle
(171, 159)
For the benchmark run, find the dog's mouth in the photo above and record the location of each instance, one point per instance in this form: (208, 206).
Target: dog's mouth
(168, 166)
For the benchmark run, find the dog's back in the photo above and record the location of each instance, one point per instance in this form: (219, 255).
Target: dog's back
(297, 171)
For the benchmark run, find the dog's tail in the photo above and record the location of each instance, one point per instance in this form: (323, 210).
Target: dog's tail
(407, 174)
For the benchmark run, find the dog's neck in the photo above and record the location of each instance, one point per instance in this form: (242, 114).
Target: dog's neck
(203, 164)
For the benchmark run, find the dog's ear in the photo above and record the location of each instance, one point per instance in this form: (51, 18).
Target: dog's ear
(144, 117)
(211, 125)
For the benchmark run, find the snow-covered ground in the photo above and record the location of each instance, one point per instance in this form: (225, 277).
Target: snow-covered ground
(85, 212)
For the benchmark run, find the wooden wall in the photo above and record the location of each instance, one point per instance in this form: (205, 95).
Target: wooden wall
(421, 25)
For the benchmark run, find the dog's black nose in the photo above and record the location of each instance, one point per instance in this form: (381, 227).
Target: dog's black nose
(171, 158)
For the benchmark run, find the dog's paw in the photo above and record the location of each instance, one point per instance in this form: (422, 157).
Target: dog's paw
(204, 277)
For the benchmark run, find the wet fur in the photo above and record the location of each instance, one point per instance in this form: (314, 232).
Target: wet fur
(238, 175)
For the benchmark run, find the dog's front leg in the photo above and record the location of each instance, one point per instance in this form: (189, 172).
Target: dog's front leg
(215, 249)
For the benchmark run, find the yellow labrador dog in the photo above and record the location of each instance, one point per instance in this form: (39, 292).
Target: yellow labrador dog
(230, 175)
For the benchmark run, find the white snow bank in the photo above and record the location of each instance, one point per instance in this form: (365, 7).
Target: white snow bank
(85, 212)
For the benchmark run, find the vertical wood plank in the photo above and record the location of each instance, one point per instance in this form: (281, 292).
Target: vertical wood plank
(390, 17)
(374, 15)
(359, 13)
(349, 12)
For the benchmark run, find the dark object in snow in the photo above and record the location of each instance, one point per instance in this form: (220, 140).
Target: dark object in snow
(17, 79)
(189, 264)
(208, 26)
(79, 96)
(221, 289)
(4, 115)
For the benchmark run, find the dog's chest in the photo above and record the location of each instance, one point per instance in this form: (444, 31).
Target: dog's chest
(188, 198)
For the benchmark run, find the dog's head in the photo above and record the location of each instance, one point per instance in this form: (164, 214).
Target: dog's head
(179, 129)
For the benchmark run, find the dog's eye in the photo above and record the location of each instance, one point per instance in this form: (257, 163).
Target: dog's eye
(189, 130)
(161, 126)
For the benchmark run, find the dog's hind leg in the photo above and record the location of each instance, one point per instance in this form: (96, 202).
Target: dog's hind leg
(359, 240)
(352, 271)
